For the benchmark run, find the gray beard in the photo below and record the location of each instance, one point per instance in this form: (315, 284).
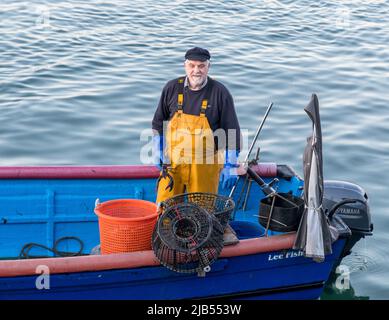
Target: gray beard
(196, 86)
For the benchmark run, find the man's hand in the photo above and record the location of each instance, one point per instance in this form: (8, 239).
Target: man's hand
(157, 151)
(228, 176)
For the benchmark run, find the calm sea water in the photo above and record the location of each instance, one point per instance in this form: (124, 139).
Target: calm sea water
(79, 81)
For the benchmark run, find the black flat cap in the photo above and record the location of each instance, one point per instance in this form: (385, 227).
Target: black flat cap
(198, 54)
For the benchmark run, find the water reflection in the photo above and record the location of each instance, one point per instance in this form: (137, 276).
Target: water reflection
(333, 292)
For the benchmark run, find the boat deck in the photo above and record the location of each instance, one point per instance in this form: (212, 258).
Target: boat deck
(42, 205)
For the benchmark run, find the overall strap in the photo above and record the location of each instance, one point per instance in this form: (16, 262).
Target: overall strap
(204, 103)
(180, 96)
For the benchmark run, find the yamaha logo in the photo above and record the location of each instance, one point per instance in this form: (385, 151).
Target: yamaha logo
(348, 211)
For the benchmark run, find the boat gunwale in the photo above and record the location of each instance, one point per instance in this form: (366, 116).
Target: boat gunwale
(265, 169)
(79, 172)
(131, 260)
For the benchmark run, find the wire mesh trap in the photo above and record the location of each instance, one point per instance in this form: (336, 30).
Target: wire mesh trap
(219, 206)
(187, 238)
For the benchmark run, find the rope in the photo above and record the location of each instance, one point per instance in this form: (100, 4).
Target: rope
(24, 253)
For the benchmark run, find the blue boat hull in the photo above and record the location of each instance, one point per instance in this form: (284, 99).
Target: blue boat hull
(256, 276)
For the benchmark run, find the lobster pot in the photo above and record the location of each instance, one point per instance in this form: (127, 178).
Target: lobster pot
(187, 239)
(219, 206)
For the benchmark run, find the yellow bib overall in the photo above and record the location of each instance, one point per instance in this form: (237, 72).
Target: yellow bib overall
(195, 166)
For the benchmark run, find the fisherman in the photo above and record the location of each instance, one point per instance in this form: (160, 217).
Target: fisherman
(197, 136)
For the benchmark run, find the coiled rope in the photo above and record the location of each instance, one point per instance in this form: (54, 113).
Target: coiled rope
(25, 252)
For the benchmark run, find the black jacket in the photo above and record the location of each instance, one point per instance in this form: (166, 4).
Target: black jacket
(220, 112)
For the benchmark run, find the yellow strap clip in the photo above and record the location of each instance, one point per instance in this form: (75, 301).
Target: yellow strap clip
(204, 105)
(180, 99)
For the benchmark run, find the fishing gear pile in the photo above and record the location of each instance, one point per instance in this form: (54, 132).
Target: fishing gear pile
(188, 236)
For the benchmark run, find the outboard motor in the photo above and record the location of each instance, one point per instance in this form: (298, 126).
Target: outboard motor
(349, 202)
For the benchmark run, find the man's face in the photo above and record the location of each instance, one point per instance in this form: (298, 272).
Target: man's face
(196, 71)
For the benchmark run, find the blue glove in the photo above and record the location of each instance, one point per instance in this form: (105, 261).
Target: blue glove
(158, 151)
(229, 174)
